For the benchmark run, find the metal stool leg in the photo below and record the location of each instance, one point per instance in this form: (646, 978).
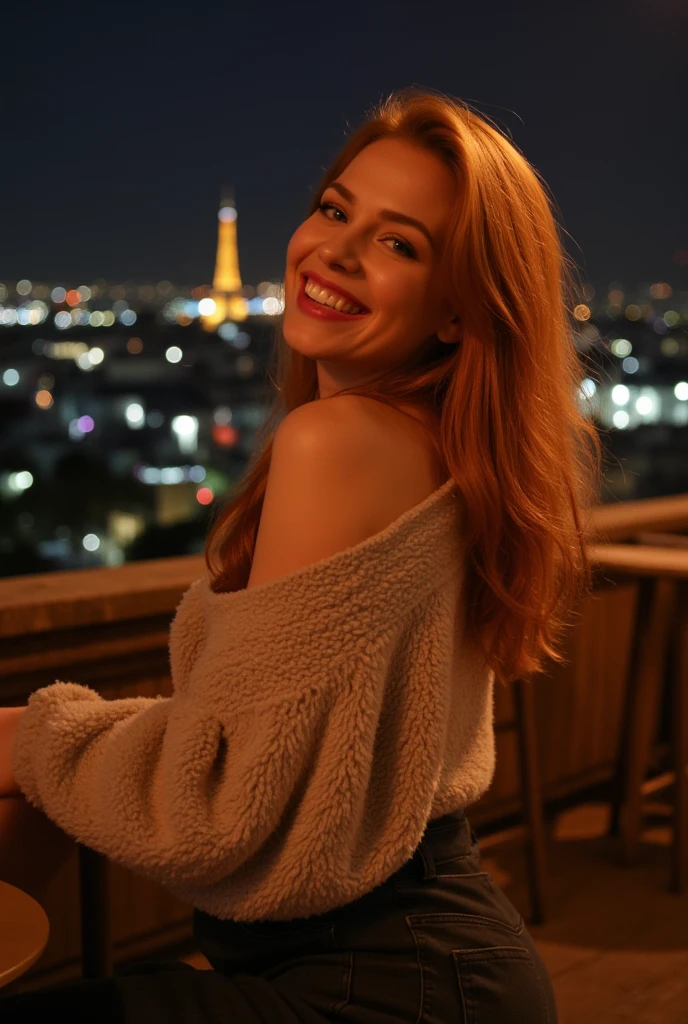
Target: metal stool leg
(96, 948)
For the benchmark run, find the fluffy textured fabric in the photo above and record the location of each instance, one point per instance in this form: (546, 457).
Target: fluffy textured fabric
(317, 722)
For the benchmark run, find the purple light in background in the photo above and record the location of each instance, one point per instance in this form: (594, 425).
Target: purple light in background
(85, 424)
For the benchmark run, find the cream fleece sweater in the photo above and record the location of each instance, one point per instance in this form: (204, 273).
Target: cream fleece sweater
(317, 722)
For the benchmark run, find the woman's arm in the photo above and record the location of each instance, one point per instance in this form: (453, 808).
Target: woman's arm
(9, 720)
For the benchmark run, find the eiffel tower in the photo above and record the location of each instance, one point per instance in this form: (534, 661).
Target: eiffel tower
(230, 304)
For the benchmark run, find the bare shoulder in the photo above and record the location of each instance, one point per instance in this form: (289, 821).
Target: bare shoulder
(319, 498)
(337, 476)
(406, 444)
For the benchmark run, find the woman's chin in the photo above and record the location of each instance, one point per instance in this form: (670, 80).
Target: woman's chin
(297, 335)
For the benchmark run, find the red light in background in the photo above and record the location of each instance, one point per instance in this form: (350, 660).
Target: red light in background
(225, 435)
(204, 496)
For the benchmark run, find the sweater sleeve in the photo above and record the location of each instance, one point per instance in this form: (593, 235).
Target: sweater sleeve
(188, 792)
(165, 786)
(104, 770)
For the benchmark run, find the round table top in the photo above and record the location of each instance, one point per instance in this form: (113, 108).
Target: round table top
(24, 931)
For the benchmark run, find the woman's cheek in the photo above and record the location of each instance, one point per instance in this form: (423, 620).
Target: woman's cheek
(297, 249)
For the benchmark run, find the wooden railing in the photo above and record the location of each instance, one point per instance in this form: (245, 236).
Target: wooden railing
(108, 629)
(623, 520)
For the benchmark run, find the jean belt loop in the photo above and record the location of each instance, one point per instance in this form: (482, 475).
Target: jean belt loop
(428, 860)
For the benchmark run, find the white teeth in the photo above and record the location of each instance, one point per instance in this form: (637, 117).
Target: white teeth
(325, 298)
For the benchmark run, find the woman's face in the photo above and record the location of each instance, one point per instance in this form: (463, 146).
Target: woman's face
(391, 268)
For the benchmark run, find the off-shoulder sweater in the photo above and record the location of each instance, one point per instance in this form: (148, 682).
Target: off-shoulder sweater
(317, 722)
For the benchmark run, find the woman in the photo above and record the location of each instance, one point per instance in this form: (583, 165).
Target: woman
(409, 531)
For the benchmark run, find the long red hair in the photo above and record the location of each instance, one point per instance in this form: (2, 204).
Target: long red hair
(513, 429)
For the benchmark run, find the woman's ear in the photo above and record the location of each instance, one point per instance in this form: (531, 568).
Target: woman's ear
(450, 332)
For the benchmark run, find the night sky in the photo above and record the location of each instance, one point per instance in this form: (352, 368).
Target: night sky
(127, 119)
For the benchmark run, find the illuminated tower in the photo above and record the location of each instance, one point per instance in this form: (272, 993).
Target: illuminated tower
(226, 291)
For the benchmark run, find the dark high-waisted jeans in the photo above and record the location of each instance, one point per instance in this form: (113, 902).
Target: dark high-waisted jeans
(437, 943)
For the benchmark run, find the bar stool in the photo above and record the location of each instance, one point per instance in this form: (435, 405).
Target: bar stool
(661, 569)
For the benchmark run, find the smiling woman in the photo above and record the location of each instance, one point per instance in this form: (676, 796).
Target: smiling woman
(434, 223)
(408, 532)
(348, 247)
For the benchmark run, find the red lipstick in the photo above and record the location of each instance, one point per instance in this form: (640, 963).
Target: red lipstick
(320, 312)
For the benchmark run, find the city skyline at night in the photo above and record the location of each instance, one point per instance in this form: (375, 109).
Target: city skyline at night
(143, 254)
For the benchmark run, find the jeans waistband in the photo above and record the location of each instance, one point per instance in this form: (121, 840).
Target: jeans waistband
(444, 842)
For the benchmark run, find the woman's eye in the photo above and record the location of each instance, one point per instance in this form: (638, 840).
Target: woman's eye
(324, 207)
(329, 206)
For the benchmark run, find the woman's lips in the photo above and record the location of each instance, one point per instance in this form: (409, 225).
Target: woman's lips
(315, 309)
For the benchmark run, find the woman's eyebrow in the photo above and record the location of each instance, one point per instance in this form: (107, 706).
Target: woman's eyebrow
(401, 218)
